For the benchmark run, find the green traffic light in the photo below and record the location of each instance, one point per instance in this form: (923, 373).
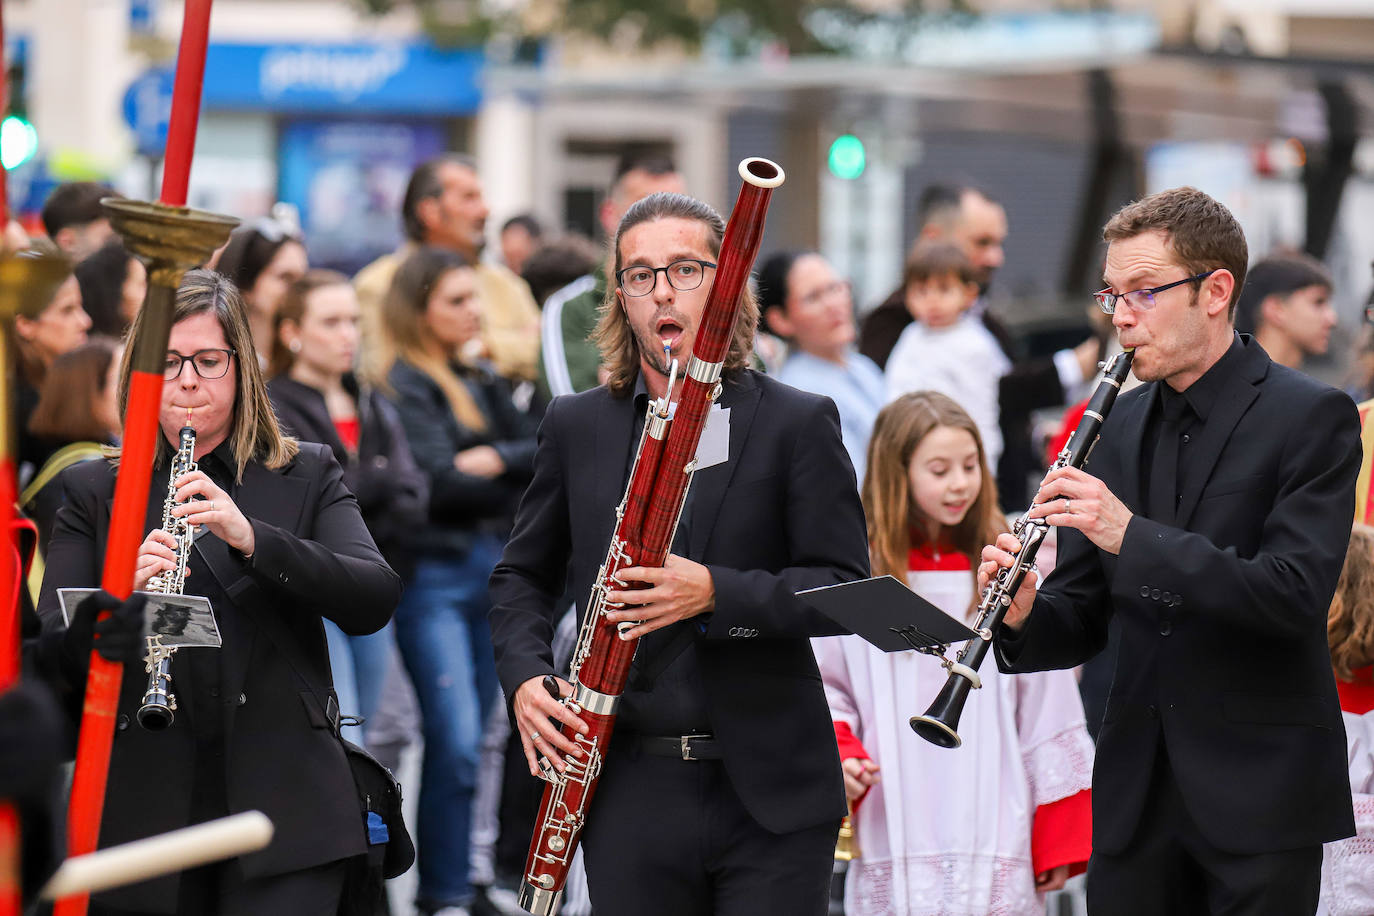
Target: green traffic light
(847, 158)
(18, 142)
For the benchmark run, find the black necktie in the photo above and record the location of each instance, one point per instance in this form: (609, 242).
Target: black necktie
(1163, 504)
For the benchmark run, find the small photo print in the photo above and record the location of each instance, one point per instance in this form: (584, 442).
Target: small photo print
(181, 620)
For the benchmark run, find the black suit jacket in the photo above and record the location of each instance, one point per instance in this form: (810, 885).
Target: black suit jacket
(313, 558)
(1223, 653)
(781, 515)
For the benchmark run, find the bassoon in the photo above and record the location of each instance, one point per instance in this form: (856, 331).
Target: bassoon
(646, 520)
(940, 723)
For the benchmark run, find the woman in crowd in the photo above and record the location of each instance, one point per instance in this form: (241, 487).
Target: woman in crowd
(990, 828)
(263, 259)
(113, 284)
(477, 451)
(76, 417)
(807, 304)
(60, 326)
(281, 545)
(318, 399)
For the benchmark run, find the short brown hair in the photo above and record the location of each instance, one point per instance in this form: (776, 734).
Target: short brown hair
(74, 383)
(1199, 230)
(1350, 621)
(936, 260)
(613, 334)
(292, 308)
(254, 434)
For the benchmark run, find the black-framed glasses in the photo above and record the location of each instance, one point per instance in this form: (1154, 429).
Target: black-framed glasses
(684, 275)
(1142, 300)
(209, 364)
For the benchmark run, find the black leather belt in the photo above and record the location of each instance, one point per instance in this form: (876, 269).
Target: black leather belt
(683, 747)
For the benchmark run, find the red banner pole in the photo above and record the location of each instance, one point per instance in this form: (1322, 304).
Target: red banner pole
(138, 445)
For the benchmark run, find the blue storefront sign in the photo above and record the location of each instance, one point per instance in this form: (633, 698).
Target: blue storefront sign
(398, 78)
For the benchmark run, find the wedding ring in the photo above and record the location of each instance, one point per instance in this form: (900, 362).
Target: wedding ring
(1067, 503)
(212, 506)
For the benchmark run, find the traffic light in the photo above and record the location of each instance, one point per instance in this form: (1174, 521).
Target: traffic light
(18, 138)
(847, 159)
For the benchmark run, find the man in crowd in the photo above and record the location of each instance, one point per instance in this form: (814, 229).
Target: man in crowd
(569, 360)
(444, 207)
(1286, 304)
(74, 219)
(1212, 529)
(970, 219)
(723, 725)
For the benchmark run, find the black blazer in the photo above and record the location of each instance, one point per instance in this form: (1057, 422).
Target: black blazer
(461, 504)
(313, 558)
(1223, 617)
(391, 491)
(781, 515)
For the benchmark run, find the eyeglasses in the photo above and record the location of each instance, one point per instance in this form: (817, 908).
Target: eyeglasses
(209, 364)
(682, 276)
(817, 296)
(1142, 300)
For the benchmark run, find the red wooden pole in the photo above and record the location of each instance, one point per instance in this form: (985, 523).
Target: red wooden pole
(139, 443)
(181, 130)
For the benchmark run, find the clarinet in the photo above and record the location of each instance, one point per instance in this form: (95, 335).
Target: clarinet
(159, 704)
(646, 519)
(940, 723)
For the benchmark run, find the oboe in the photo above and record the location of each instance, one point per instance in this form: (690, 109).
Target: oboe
(940, 723)
(159, 704)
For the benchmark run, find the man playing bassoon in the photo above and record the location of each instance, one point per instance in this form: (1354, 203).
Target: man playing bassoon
(741, 817)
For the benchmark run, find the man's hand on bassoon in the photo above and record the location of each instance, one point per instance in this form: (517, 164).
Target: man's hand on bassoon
(678, 590)
(533, 710)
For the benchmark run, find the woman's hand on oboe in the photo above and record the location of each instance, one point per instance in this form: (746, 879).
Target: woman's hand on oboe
(1002, 555)
(156, 555)
(216, 511)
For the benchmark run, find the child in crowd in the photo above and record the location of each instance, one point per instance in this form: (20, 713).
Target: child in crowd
(947, 349)
(1348, 865)
(994, 825)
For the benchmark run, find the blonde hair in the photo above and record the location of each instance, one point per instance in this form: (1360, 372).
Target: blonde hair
(254, 433)
(614, 336)
(1350, 621)
(403, 313)
(891, 510)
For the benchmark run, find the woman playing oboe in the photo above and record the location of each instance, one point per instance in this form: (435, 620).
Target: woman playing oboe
(279, 545)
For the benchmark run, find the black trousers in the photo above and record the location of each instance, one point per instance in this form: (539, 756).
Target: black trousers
(1171, 870)
(222, 890)
(670, 837)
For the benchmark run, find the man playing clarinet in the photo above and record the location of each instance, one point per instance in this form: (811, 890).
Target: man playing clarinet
(1213, 526)
(721, 789)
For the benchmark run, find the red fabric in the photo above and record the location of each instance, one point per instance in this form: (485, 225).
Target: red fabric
(1358, 697)
(1072, 417)
(937, 558)
(349, 430)
(1062, 834)
(850, 746)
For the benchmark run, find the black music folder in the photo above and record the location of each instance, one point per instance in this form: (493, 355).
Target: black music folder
(887, 614)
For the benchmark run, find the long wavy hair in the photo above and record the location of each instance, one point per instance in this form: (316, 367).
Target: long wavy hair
(895, 522)
(254, 434)
(1350, 621)
(613, 334)
(403, 312)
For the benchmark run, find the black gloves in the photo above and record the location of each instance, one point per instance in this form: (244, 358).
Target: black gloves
(118, 638)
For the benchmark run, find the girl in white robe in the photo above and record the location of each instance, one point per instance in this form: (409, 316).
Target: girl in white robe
(991, 826)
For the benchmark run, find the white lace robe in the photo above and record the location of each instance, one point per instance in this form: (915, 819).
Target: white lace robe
(1348, 865)
(948, 832)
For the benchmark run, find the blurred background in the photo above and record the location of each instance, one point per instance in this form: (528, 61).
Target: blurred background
(1063, 111)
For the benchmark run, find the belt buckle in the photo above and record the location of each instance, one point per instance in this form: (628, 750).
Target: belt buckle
(687, 746)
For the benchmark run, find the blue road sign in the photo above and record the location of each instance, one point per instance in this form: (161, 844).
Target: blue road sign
(148, 109)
